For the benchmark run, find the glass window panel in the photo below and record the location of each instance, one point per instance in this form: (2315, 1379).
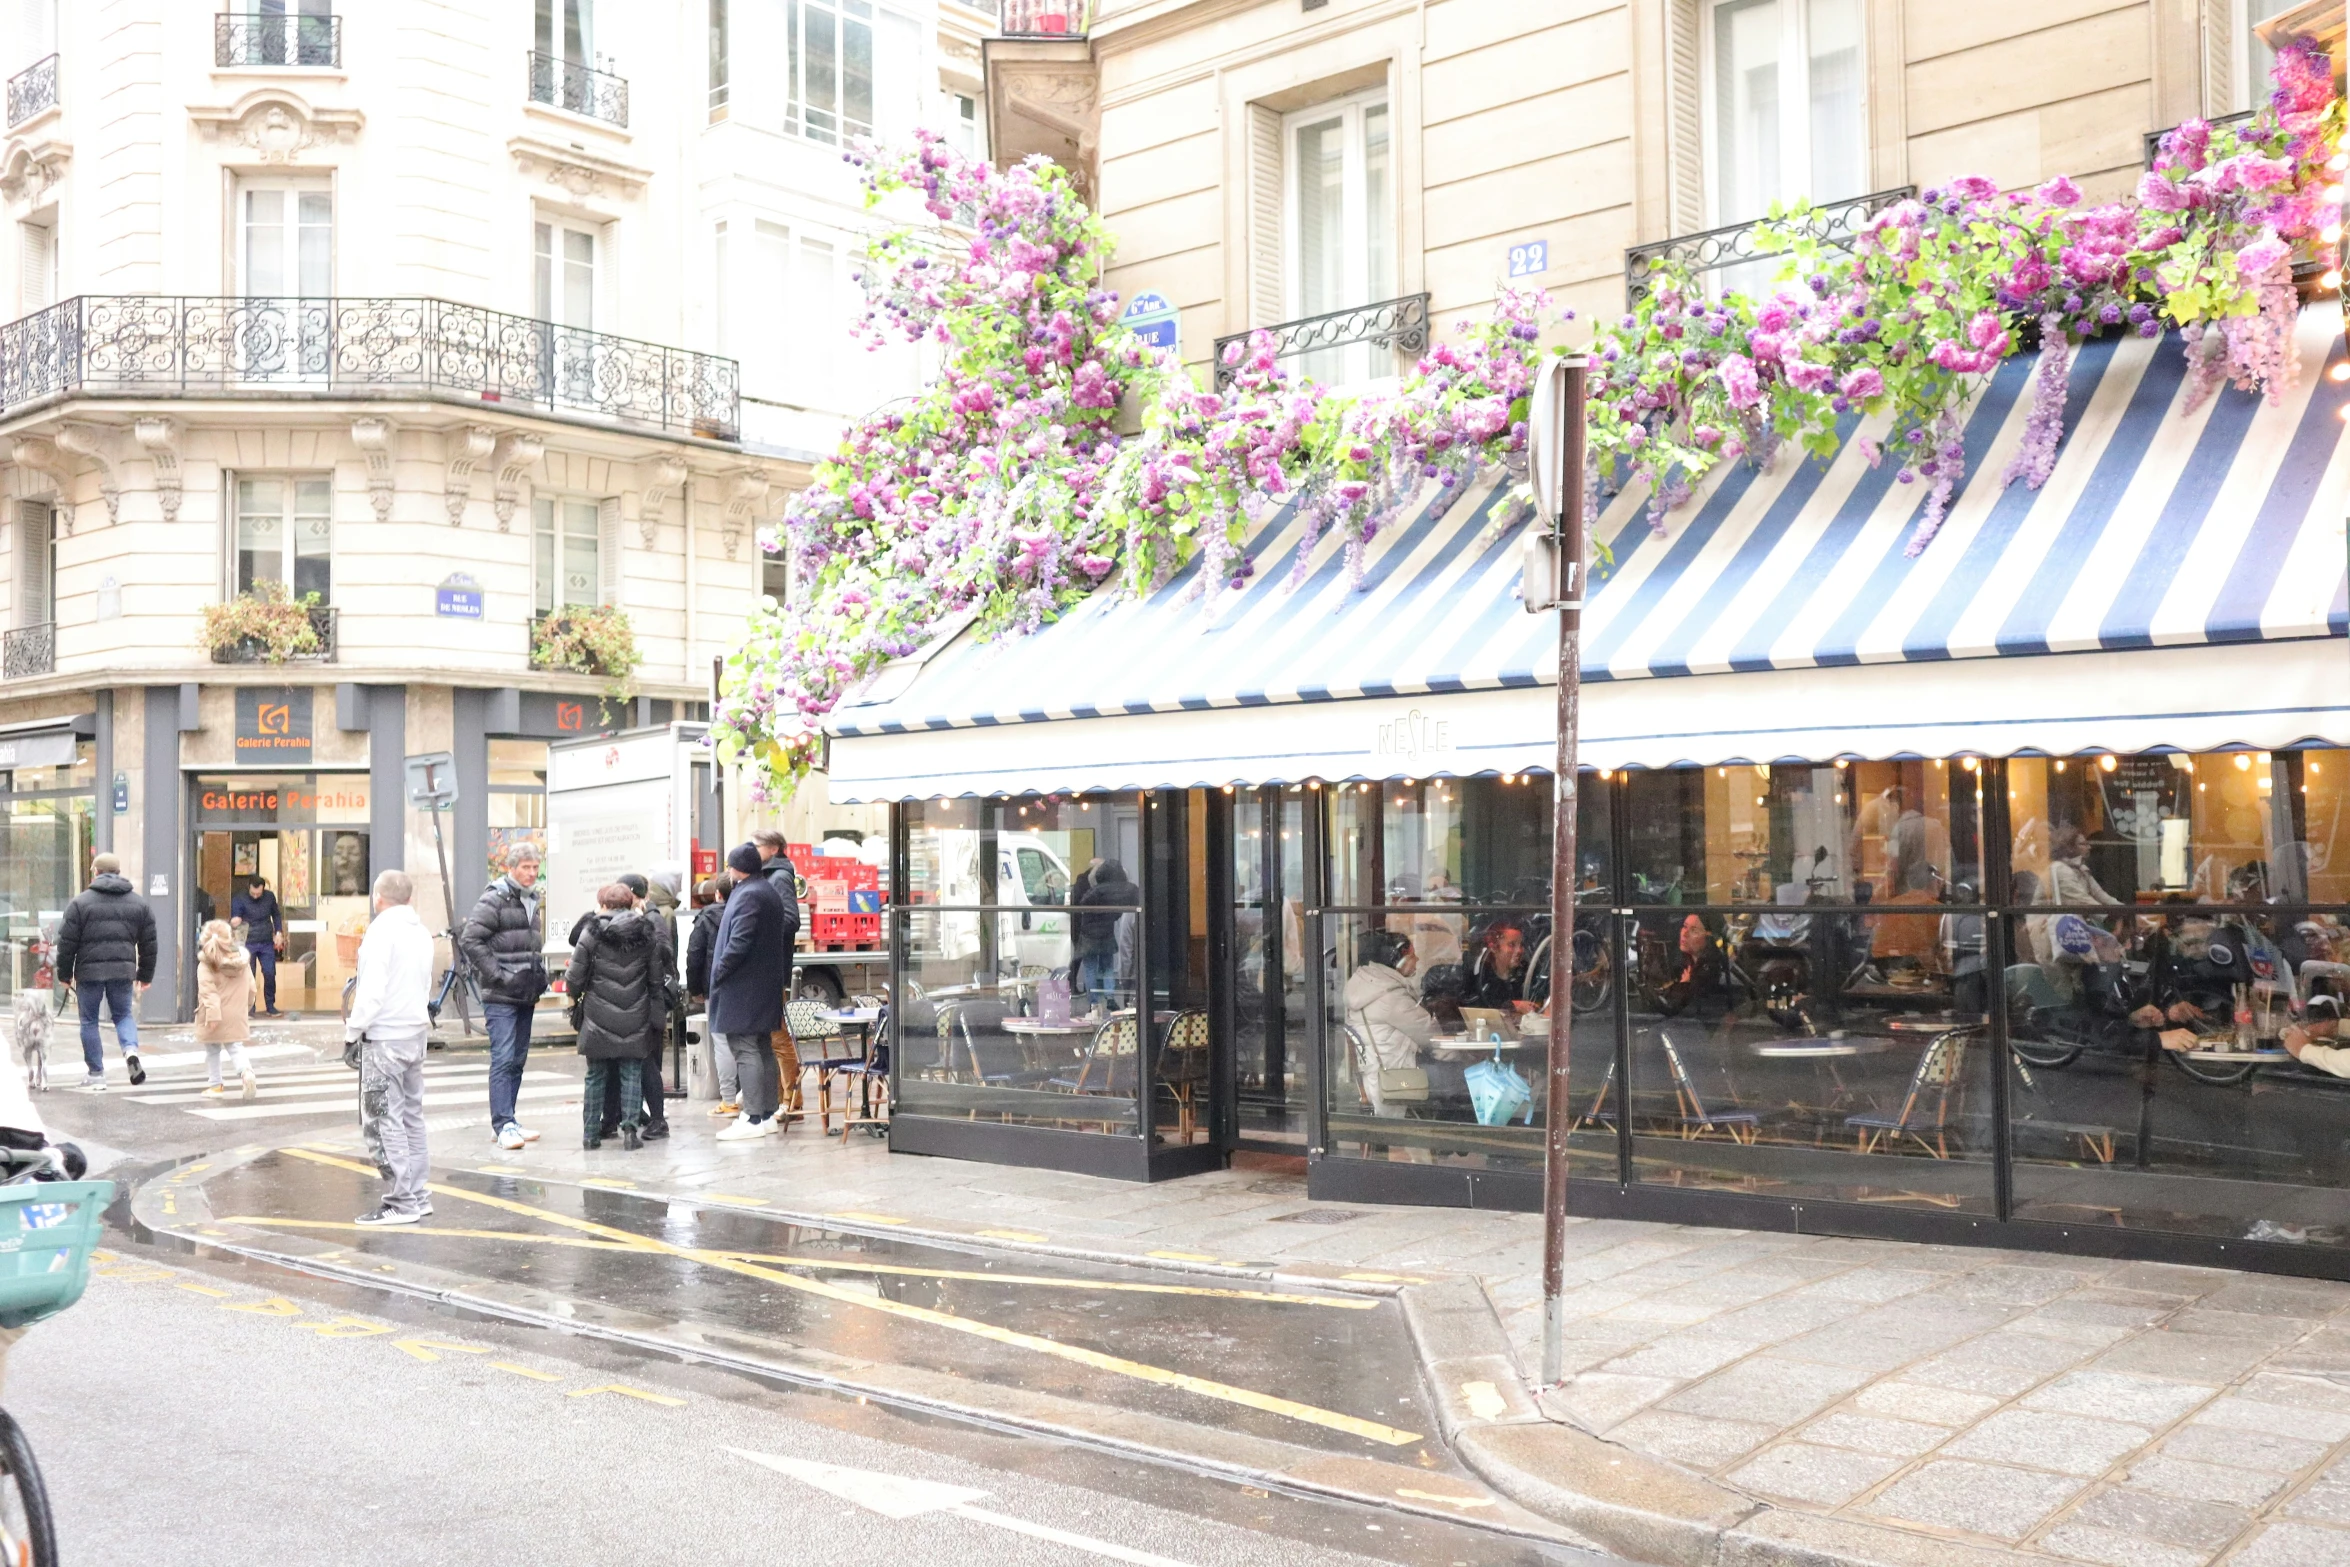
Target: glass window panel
(857, 76)
(543, 270)
(518, 763)
(44, 860)
(821, 82)
(542, 522)
(1378, 207)
(1746, 107)
(313, 538)
(1320, 197)
(261, 530)
(581, 581)
(315, 213)
(579, 279)
(1839, 141)
(265, 242)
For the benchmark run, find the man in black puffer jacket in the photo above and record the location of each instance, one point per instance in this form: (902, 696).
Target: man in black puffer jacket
(619, 1005)
(105, 948)
(504, 944)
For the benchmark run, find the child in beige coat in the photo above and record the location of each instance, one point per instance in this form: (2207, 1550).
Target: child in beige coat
(224, 998)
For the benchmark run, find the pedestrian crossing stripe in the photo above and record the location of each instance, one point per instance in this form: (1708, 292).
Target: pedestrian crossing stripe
(277, 1088)
(342, 1104)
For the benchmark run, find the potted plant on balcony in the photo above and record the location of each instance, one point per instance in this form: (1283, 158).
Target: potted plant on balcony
(267, 625)
(589, 639)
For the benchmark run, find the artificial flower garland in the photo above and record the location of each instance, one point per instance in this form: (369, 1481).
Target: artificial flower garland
(1006, 490)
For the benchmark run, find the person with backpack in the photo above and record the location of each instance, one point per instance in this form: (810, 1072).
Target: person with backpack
(504, 943)
(106, 951)
(619, 1001)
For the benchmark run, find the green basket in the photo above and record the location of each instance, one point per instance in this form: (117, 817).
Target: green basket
(47, 1231)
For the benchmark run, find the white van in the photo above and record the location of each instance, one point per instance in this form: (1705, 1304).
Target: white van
(1030, 873)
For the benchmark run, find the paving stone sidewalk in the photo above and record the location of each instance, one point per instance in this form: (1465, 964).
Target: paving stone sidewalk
(2127, 1414)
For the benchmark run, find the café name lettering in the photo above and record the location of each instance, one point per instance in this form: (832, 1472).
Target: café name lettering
(1414, 734)
(282, 801)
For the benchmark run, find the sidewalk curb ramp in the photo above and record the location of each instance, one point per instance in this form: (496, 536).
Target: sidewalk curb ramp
(171, 1210)
(1632, 1504)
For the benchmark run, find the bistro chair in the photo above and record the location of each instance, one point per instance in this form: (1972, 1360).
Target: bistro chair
(1108, 1058)
(820, 1043)
(1935, 1090)
(1001, 1065)
(1694, 1119)
(1183, 1067)
(870, 1077)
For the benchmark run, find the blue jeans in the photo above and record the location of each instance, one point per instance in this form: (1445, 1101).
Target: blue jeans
(264, 957)
(122, 1001)
(1097, 975)
(509, 1027)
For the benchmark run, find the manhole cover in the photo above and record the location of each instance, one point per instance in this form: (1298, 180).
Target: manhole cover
(1295, 1186)
(1317, 1216)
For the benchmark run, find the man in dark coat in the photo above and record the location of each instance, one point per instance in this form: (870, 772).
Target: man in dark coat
(748, 973)
(1097, 934)
(265, 935)
(503, 943)
(776, 865)
(106, 949)
(618, 1003)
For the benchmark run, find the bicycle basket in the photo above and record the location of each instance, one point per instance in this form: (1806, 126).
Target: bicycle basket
(1497, 1092)
(47, 1231)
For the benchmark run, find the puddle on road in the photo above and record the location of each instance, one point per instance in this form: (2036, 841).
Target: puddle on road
(1348, 1358)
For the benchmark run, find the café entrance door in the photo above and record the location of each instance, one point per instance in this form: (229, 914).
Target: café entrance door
(319, 870)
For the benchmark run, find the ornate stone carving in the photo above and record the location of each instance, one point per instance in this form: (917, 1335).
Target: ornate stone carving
(745, 489)
(517, 455)
(38, 454)
(159, 438)
(373, 436)
(29, 171)
(100, 444)
(657, 479)
(461, 451)
(275, 126)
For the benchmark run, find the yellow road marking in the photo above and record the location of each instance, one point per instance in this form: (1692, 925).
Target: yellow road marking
(606, 1180)
(1449, 1501)
(833, 1265)
(748, 1202)
(1382, 1278)
(275, 1306)
(1485, 1400)
(627, 1392)
(1369, 1430)
(524, 1371)
(1014, 1235)
(346, 1327)
(134, 1273)
(864, 1218)
(201, 1289)
(431, 1349)
(1182, 1256)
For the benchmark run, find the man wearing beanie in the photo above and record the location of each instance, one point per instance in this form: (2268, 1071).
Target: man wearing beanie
(748, 971)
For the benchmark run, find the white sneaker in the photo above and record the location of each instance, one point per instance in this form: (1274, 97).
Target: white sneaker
(215, 1091)
(95, 1083)
(510, 1137)
(747, 1131)
(528, 1135)
(251, 1085)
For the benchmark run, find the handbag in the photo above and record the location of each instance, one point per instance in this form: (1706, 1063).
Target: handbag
(1403, 1085)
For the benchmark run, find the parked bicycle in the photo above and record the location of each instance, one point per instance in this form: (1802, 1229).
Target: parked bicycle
(50, 1221)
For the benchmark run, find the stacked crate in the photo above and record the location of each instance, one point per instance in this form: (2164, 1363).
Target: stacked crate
(843, 900)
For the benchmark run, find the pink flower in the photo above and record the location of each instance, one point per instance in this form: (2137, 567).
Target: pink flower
(1806, 376)
(1862, 384)
(2256, 259)
(2061, 192)
(1985, 332)
(1740, 381)
(2157, 194)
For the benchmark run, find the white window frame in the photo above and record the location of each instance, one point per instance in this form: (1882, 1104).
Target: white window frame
(1356, 199)
(37, 280)
(555, 520)
(290, 517)
(547, 263)
(1795, 108)
(294, 187)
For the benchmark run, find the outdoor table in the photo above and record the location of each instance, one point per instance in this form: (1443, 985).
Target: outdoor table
(1825, 1052)
(2237, 1057)
(1037, 1033)
(1462, 1044)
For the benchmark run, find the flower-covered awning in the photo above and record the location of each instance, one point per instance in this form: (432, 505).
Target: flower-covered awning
(1784, 597)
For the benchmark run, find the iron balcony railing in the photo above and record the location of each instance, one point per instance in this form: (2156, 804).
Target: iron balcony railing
(254, 651)
(255, 38)
(32, 91)
(1835, 223)
(2154, 138)
(1398, 324)
(566, 84)
(146, 345)
(1046, 18)
(29, 651)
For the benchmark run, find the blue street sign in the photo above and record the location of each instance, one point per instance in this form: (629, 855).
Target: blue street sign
(1529, 257)
(457, 598)
(1153, 320)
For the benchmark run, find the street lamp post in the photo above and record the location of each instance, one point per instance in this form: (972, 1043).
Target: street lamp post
(1554, 579)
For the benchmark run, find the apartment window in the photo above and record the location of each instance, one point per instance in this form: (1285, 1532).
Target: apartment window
(36, 276)
(2254, 59)
(567, 548)
(286, 239)
(285, 534)
(775, 577)
(286, 32)
(966, 125)
(566, 30)
(36, 565)
(39, 39)
(564, 274)
(718, 82)
(1789, 115)
(1340, 220)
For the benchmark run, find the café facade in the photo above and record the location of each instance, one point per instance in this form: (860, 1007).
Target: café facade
(1959, 896)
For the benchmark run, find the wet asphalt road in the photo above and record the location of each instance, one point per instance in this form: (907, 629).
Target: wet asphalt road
(215, 1412)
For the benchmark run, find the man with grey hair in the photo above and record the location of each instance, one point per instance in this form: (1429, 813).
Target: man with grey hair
(504, 943)
(389, 1021)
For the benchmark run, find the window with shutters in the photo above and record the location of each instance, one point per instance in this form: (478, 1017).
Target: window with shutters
(284, 533)
(36, 274)
(567, 551)
(33, 601)
(1340, 223)
(1785, 104)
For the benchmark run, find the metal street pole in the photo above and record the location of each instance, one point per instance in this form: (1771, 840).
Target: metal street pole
(1567, 525)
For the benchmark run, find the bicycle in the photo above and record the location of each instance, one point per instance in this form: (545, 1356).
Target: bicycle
(50, 1221)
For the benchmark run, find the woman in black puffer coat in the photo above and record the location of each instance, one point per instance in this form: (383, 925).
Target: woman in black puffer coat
(617, 1005)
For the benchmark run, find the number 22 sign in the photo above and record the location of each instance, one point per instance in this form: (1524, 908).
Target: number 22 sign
(1529, 257)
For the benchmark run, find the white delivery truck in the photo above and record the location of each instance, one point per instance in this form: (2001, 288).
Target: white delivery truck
(634, 801)
(1030, 870)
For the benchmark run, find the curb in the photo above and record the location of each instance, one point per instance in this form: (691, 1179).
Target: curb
(1637, 1506)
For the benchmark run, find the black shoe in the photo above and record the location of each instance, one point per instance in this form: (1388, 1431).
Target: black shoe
(608, 1129)
(138, 1072)
(591, 1142)
(655, 1132)
(630, 1140)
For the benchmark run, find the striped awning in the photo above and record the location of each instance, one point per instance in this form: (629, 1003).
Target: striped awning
(1779, 616)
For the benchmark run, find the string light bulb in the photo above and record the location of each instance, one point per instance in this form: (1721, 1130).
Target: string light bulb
(2108, 762)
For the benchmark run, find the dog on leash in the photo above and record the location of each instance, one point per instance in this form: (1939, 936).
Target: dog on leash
(34, 1010)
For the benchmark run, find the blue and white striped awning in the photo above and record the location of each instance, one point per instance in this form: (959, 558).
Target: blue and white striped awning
(2175, 582)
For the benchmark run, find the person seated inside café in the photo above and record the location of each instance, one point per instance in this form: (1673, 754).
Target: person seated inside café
(1497, 980)
(1385, 1006)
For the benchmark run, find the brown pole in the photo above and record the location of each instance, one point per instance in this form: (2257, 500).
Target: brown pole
(1563, 872)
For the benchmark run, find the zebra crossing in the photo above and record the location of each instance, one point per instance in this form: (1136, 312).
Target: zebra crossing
(330, 1089)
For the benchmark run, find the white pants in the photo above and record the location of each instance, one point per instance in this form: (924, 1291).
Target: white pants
(391, 1099)
(236, 1060)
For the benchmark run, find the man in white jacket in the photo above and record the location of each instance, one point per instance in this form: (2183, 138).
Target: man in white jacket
(389, 1020)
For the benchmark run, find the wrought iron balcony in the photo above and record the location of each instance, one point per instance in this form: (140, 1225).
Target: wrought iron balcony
(566, 84)
(254, 651)
(29, 651)
(1835, 223)
(1397, 324)
(32, 91)
(159, 345)
(255, 38)
(2154, 138)
(1045, 18)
